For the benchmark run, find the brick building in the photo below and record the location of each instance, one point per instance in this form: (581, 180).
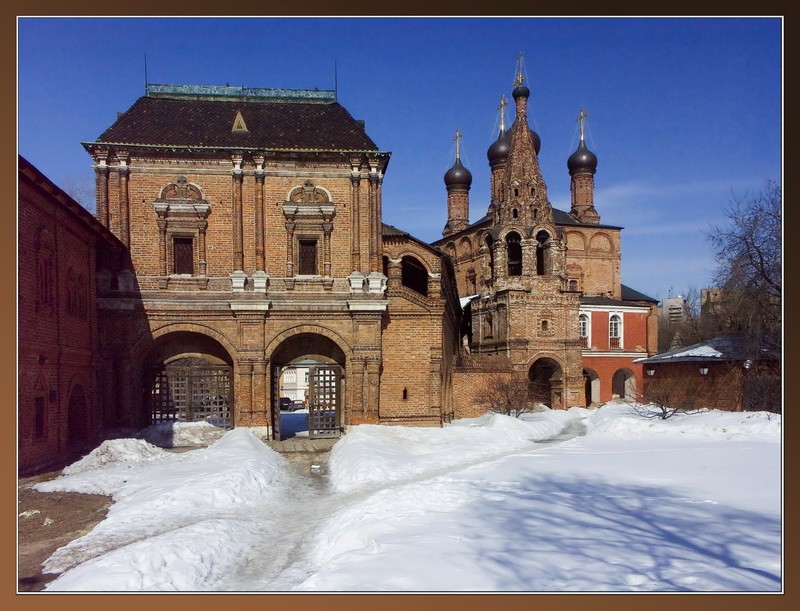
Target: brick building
(252, 241)
(61, 247)
(542, 287)
(253, 219)
(735, 372)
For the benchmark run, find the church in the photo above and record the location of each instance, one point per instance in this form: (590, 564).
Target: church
(248, 235)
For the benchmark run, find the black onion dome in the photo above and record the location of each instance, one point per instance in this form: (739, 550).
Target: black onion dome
(521, 91)
(582, 160)
(458, 176)
(500, 148)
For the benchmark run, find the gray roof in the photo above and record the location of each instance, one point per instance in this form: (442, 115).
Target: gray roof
(731, 347)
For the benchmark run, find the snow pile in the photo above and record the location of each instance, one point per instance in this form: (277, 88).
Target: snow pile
(578, 500)
(623, 420)
(372, 454)
(127, 452)
(186, 494)
(178, 434)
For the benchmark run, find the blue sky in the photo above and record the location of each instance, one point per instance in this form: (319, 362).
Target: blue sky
(684, 113)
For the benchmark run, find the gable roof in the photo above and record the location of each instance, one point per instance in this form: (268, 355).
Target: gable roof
(208, 123)
(629, 294)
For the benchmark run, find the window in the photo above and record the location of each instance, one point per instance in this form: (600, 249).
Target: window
(414, 275)
(541, 239)
(514, 254)
(583, 330)
(45, 271)
(615, 332)
(39, 416)
(183, 257)
(572, 284)
(307, 260)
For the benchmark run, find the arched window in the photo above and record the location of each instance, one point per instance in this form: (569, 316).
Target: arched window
(514, 253)
(541, 239)
(415, 275)
(583, 330)
(615, 332)
(45, 271)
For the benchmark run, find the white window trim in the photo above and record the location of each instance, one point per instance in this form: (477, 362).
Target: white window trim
(621, 328)
(588, 316)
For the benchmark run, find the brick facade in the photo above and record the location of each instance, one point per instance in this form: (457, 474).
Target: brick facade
(245, 251)
(58, 351)
(533, 272)
(283, 258)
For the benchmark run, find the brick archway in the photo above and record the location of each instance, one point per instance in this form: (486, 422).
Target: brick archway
(324, 362)
(188, 377)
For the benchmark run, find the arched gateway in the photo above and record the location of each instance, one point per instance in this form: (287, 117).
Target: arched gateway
(325, 361)
(188, 378)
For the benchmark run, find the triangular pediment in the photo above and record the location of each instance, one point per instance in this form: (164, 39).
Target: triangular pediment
(238, 123)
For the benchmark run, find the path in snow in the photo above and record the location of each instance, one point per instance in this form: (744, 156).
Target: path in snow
(284, 536)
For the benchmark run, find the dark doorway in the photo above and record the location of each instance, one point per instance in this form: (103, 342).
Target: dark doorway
(77, 414)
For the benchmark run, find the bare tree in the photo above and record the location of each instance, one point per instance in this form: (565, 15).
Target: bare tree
(749, 250)
(674, 393)
(507, 393)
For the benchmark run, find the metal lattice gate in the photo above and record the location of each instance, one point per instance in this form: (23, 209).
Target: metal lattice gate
(190, 390)
(324, 400)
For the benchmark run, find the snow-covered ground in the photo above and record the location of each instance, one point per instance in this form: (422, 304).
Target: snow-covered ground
(576, 500)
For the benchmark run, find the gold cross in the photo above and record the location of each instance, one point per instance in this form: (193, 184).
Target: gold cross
(519, 79)
(582, 119)
(502, 108)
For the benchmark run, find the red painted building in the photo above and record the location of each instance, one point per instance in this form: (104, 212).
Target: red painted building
(614, 333)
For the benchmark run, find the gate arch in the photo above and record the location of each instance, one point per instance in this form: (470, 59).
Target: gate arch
(624, 385)
(188, 377)
(326, 362)
(546, 382)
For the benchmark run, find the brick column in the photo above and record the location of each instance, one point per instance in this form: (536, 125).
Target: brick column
(372, 382)
(395, 274)
(289, 249)
(357, 391)
(101, 189)
(327, 228)
(528, 256)
(374, 222)
(355, 211)
(259, 402)
(201, 248)
(238, 222)
(500, 259)
(243, 392)
(162, 246)
(124, 206)
(259, 174)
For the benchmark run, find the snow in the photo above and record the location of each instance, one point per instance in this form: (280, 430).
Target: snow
(586, 500)
(704, 351)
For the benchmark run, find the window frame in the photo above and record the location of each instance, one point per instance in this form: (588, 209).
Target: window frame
(615, 331)
(183, 239)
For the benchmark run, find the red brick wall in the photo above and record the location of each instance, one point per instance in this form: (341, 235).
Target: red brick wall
(57, 344)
